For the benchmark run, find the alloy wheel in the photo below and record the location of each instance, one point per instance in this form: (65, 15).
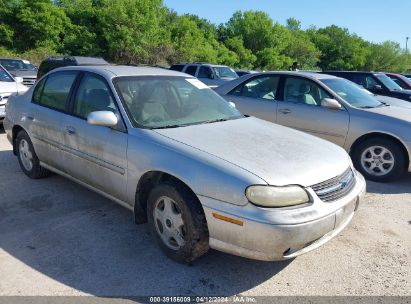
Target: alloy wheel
(377, 160)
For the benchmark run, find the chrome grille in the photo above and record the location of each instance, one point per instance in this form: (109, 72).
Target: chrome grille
(335, 188)
(28, 81)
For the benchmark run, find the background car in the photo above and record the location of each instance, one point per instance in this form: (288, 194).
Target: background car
(407, 75)
(54, 62)
(8, 86)
(401, 80)
(166, 146)
(375, 82)
(20, 68)
(376, 135)
(244, 72)
(211, 74)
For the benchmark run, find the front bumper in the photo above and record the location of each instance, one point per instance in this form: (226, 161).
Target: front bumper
(282, 233)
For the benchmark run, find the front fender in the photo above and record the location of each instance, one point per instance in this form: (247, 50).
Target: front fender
(205, 174)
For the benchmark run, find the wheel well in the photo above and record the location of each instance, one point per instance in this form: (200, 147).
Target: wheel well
(380, 135)
(146, 183)
(16, 129)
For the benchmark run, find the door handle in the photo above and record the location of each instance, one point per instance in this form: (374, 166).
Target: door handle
(70, 130)
(30, 117)
(285, 111)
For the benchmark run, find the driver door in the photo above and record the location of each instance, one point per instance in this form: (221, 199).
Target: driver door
(98, 154)
(301, 109)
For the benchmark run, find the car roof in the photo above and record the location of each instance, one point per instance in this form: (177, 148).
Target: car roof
(354, 72)
(312, 75)
(80, 60)
(227, 87)
(111, 71)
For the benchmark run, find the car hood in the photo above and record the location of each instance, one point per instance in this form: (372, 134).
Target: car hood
(394, 112)
(8, 87)
(394, 101)
(276, 154)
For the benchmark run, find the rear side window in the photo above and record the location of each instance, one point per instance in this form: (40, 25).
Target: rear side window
(191, 70)
(260, 87)
(55, 91)
(177, 67)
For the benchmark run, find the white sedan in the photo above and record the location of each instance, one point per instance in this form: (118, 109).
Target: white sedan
(8, 86)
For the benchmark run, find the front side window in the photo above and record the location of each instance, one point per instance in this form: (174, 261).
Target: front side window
(205, 72)
(56, 90)
(167, 102)
(351, 93)
(92, 95)
(191, 70)
(300, 90)
(259, 87)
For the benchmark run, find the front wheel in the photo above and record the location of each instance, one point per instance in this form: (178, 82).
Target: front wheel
(379, 159)
(177, 222)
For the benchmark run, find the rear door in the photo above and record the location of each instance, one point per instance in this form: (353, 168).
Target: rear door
(257, 97)
(48, 113)
(301, 109)
(97, 154)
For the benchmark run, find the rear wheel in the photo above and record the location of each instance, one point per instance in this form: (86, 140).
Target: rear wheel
(379, 159)
(177, 222)
(27, 157)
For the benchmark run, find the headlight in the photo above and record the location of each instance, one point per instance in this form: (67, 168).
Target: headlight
(270, 196)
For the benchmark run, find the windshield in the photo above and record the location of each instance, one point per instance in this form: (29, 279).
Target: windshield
(4, 76)
(225, 72)
(388, 82)
(167, 102)
(351, 93)
(17, 65)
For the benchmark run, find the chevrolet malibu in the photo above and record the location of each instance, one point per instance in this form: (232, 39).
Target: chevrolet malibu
(164, 145)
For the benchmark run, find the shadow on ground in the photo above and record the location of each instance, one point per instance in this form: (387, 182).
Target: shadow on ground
(86, 242)
(400, 186)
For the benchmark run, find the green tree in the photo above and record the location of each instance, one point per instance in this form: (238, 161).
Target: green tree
(339, 49)
(40, 23)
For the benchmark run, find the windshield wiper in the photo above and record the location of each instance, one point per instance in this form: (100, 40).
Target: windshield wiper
(215, 120)
(167, 127)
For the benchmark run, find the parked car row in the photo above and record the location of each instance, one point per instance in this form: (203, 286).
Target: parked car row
(211, 74)
(203, 175)
(376, 135)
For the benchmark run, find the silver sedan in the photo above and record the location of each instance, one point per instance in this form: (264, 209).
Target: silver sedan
(377, 135)
(164, 145)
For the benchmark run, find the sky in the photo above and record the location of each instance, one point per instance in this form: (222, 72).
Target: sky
(373, 20)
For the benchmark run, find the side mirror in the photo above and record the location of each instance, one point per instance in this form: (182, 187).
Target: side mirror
(211, 76)
(18, 79)
(102, 118)
(330, 104)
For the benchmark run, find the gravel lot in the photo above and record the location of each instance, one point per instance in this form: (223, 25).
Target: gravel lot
(58, 238)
